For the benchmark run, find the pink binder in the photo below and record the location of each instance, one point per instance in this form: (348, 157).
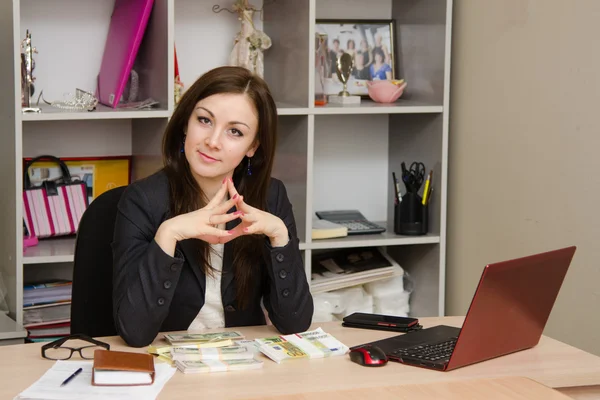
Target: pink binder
(125, 33)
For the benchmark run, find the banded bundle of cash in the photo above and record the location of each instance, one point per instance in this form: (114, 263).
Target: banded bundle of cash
(189, 366)
(183, 353)
(310, 344)
(216, 339)
(196, 341)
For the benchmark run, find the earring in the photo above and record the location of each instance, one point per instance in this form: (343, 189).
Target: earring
(183, 145)
(249, 170)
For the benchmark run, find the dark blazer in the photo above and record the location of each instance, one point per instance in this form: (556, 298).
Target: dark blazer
(154, 292)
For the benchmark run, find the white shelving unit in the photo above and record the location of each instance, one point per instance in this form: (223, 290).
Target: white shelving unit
(330, 157)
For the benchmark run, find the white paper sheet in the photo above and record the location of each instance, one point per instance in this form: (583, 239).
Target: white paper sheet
(81, 388)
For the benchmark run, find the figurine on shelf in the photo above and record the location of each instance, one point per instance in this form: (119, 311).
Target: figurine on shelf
(27, 78)
(178, 85)
(249, 43)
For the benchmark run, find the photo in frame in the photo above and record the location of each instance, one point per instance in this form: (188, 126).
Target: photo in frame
(371, 43)
(100, 174)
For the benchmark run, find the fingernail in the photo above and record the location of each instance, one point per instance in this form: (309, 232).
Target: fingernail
(245, 229)
(238, 213)
(230, 232)
(234, 196)
(230, 180)
(224, 179)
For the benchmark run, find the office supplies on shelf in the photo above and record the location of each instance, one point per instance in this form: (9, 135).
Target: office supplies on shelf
(73, 375)
(125, 33)
(48, 386)
(121, 368)
(414, 176)
(508, 313)
(411, 213)
(411, 217)
(395, 185)
(324, 229)
(356, 223)
(426, 190)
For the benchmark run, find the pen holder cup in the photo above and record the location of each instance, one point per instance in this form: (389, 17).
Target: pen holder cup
(411, 216)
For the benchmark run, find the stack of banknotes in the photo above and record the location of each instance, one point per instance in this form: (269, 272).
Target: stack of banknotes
(229, 351)
(208, 352)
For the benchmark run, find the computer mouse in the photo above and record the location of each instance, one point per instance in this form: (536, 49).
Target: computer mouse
(368, 356)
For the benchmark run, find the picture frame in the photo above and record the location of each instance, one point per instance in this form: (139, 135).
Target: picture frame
(365, 40)
(100, 174)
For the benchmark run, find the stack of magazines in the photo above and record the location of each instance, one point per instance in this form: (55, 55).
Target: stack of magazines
(208, 352)
(311, 344)
(47, 310)
(341, 268)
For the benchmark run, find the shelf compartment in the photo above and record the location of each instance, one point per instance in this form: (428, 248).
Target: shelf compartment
(51, 251)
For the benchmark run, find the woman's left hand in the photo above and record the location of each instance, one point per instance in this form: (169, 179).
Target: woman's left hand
(255, 221)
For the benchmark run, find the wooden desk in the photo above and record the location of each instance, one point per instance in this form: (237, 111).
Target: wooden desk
(551, 363)
(507, 388)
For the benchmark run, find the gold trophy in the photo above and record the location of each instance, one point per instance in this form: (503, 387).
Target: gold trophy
(344, 67)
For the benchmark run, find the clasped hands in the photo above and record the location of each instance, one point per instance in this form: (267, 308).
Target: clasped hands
(204, 224)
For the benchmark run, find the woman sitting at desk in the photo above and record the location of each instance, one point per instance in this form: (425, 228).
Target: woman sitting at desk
(203, 241)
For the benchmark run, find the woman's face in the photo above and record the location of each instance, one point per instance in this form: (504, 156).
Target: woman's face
(220, 132)
(378, 58)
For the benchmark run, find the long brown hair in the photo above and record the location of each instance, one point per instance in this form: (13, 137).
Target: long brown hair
(185, 193)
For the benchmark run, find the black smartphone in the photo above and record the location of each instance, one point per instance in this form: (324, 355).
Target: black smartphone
(380, 322)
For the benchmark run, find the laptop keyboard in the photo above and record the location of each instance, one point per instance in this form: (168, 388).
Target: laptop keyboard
(428, 352)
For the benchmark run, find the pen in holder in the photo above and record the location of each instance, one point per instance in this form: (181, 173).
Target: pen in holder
(411, 216)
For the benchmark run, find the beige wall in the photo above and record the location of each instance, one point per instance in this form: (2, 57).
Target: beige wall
(524, 172)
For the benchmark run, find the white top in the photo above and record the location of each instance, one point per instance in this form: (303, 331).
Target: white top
(211, 314)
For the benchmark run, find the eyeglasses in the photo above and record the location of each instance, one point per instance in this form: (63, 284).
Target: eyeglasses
(56, 351)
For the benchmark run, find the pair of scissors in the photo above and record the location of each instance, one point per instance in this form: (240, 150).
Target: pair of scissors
(414, 176)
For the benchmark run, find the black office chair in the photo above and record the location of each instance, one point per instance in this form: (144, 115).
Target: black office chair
(91, 300)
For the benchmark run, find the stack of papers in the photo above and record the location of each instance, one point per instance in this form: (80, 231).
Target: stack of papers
(81, 388)
(311, 344)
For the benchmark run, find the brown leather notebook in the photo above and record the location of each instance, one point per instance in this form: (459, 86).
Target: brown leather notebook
(121, 368)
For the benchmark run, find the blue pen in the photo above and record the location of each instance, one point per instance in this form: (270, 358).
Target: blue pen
(71, 377)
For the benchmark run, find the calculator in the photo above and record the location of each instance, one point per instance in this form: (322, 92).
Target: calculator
(356, 223)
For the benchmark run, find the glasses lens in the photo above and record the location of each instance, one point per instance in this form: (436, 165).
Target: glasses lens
(88, 351)
(59, 353)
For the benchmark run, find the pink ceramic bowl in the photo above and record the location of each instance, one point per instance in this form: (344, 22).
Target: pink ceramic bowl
(385, 91)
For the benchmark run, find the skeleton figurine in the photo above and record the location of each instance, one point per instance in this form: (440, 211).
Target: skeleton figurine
(27, 78)
(249, 43)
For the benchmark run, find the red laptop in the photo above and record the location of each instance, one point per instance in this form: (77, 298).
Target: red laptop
(508, 313)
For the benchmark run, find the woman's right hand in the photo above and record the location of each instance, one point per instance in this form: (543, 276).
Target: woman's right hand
(200, 224)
